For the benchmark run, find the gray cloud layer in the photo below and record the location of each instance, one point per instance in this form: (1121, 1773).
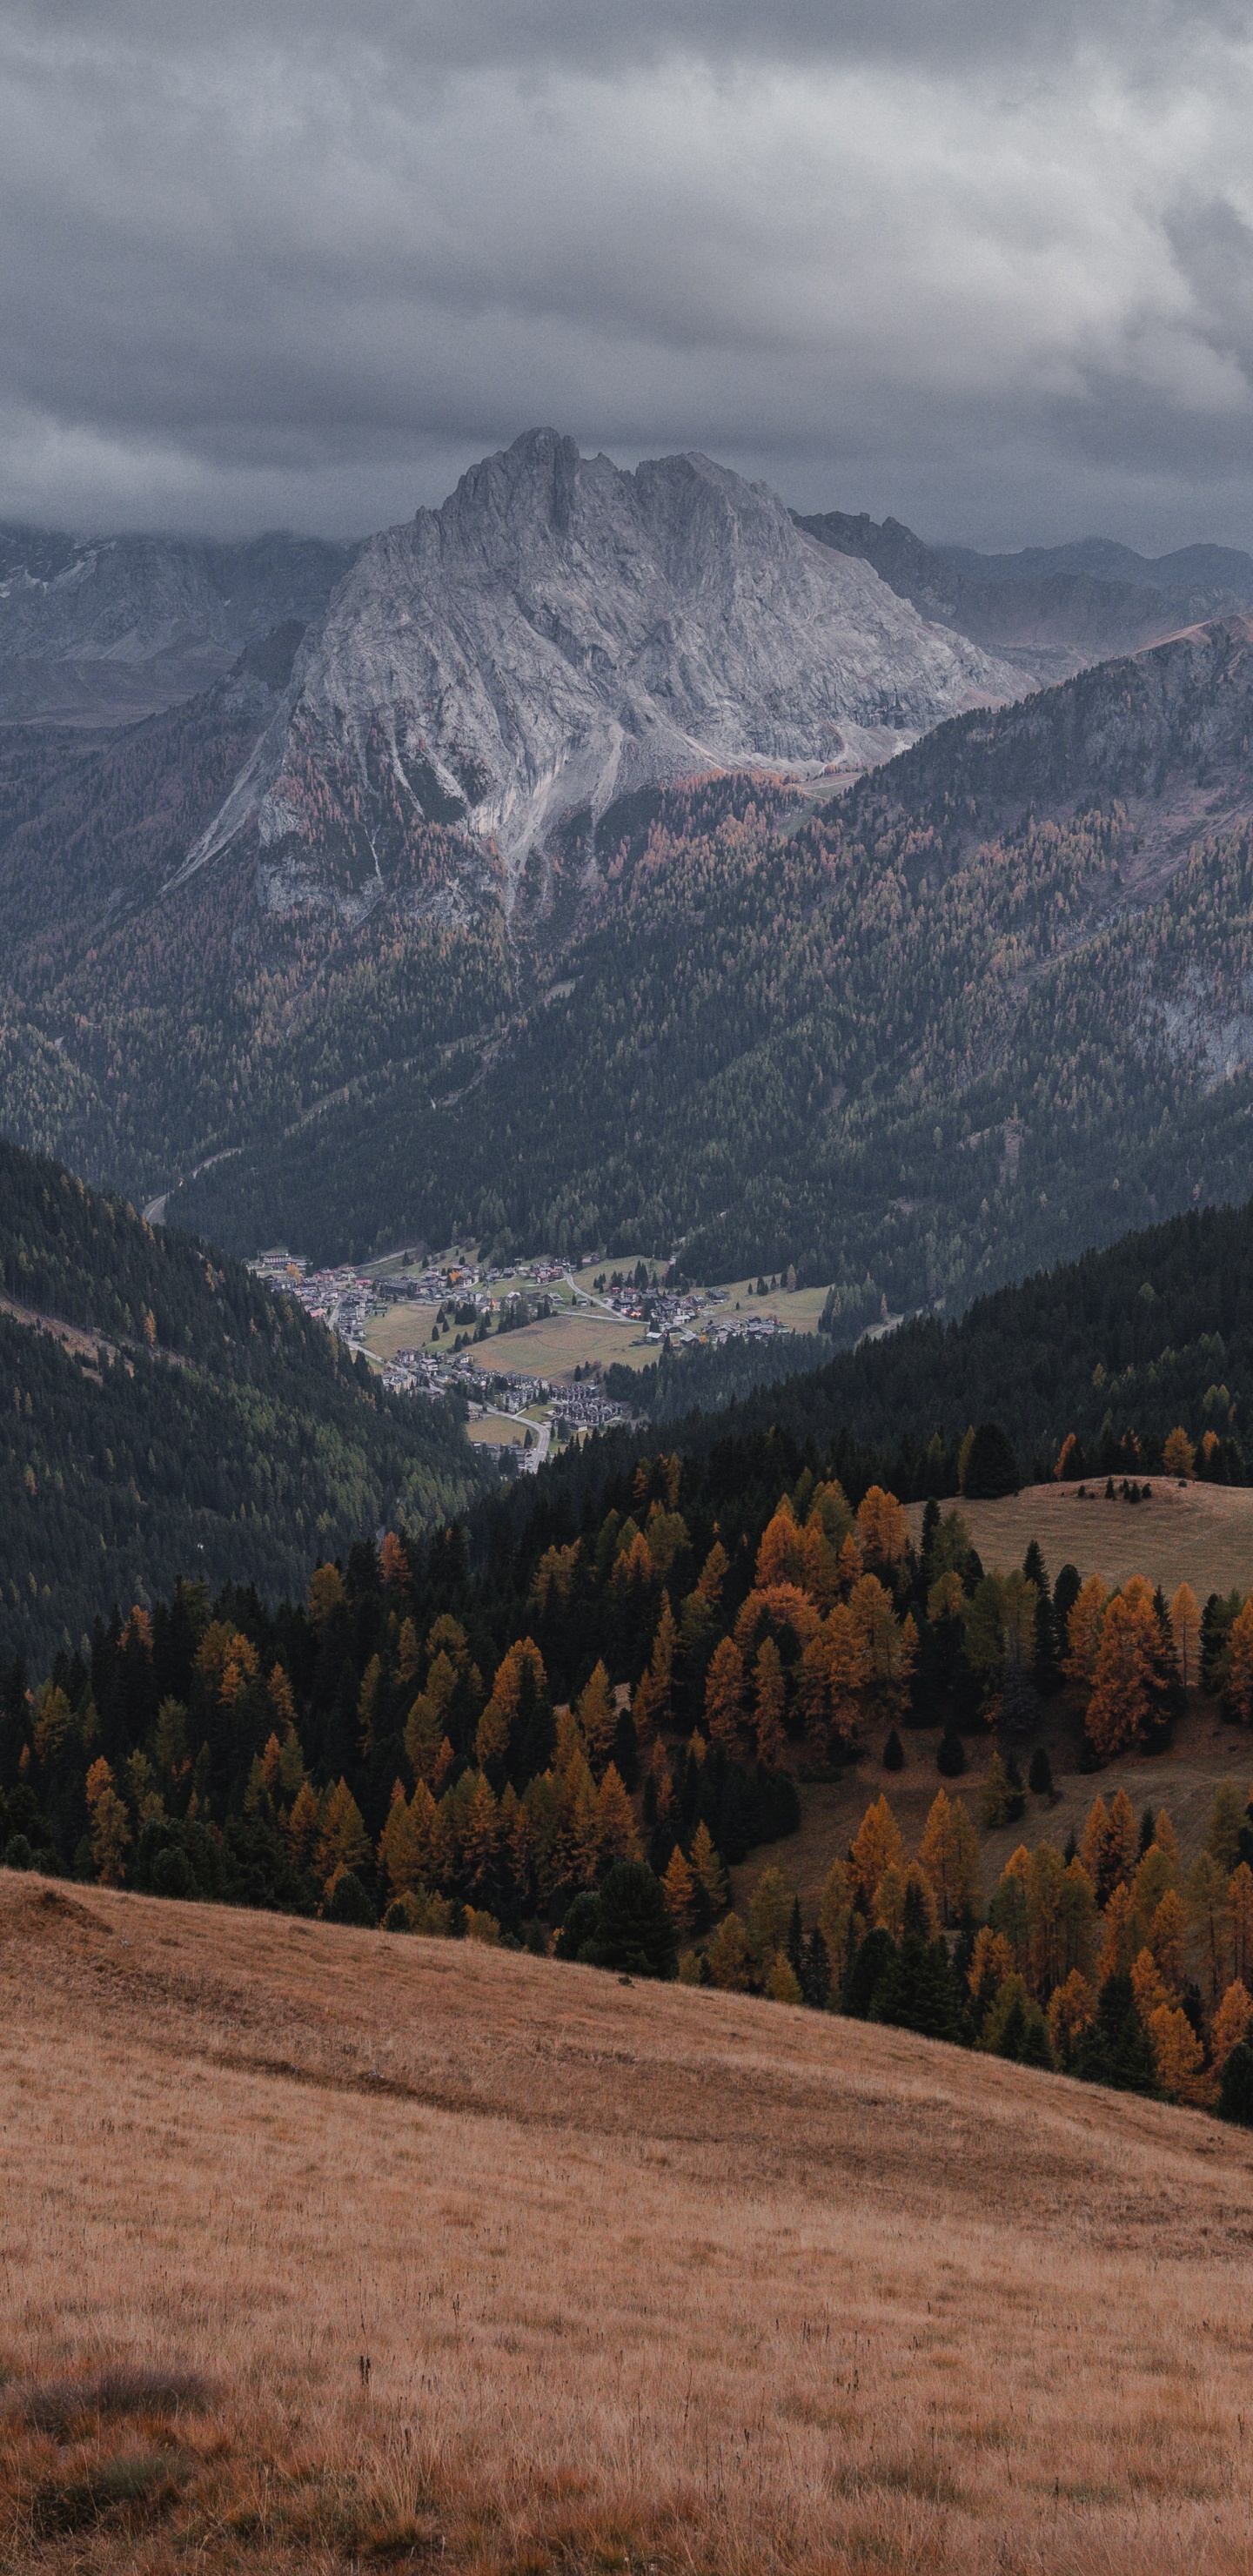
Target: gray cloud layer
(275, 262)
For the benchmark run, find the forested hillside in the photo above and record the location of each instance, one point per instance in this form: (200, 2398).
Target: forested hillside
(183, 1421)
(988, 1008)
(1154, 1331)
(985, 1009)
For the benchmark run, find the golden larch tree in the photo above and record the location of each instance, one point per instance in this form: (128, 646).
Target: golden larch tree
(1178, 1454)
(1178, 2057)
(1185, 1628)
(877, 1844)
(882, 1529)
(725, 1694)
(1231, 2023)
(769, 1701)
(1123, 1673)
(1084, 1623)
(678, 1887)
(707, 1869)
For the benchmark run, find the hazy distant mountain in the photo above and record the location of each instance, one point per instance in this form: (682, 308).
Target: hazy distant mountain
(561, 633)
(103, 630)
(1050, 610)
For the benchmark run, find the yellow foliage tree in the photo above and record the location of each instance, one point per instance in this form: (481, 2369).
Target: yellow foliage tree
(110, 1825)
(326, 1593)
(302, 1824)
(1231, 2023)
(877, 1844)
(1166, 1939)
(769, 1914)
(342, 1839)
(1146, 1985)
(597, 1714)
(651, 1706)
(616, 1819)
(724, 1695)
(1185, 1628)
(779, 1557)
(769, 1700)
(835, 1910)
(1071, 2011)
(730, 1959)
(1178, 1454)
(991, 1960)
(495, 1726)
(1083, 1632)
(949, 1853)
(882, 1528)
(782, 1985)
(678, 1887)
(1122, 1675)
(1178, 2057)
(1117, 1935)
(398, 1845)
(707, 1869)
(890, 1899)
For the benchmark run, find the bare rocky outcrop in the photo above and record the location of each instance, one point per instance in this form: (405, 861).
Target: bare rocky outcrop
(562, 632)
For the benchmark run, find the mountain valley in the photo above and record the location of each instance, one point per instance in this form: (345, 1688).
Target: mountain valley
(531, 893)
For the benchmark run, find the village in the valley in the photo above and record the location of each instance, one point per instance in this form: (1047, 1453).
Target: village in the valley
(530, 1349)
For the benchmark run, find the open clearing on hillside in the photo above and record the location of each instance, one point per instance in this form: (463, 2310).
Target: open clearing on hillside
(499, 2266)
(1197, 1534)
(1184, 1779)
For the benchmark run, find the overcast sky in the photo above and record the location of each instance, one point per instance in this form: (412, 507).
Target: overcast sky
(282, 262)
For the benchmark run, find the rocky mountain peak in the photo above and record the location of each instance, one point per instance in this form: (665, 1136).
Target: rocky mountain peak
(561, 632)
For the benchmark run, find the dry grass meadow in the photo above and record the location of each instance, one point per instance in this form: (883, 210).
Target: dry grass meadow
(424, 2255)
(1197, 1534)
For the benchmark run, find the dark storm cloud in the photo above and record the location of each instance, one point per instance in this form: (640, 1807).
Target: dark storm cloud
(988, 268)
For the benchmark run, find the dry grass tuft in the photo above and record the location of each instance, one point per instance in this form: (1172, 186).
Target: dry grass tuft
(59, 2406)
(645, 2280)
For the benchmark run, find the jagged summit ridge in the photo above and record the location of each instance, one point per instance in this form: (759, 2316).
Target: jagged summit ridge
(562, 631)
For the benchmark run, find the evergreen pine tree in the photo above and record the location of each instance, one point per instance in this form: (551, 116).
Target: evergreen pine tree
(1235, 2095)
(816, 1972)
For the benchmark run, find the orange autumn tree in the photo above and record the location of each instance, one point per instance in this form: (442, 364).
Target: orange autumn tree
(1084, 1622)
(1185, 1628)
(1124, 1671)
(877, 1845)
(724, 1694)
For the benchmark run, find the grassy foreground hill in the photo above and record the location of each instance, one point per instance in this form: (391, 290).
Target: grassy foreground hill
(165, 1415)
(331, 2251)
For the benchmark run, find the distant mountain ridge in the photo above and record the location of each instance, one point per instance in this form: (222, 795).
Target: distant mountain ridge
(102, 630)
(1051, 610)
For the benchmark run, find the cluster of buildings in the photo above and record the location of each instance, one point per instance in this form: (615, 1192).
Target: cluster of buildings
(346, 1299)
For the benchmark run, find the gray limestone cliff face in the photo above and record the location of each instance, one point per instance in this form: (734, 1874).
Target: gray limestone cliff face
(561, 632)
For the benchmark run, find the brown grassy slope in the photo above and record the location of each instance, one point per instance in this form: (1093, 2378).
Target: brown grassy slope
(1198, 1534)
(658, 2278)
